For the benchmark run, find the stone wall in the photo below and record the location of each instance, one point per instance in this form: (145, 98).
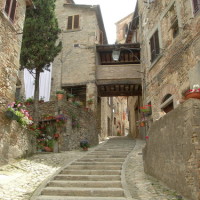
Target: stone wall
(172, 152)
(70, 137)
(10, 45)
(15, 141)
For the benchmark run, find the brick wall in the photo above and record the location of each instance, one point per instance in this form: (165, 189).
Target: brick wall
(172, 152)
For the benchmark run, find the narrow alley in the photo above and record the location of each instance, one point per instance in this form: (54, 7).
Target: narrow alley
(113, 170)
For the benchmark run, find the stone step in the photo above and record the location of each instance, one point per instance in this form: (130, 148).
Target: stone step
(88, 177)
(112, 151)
(44, 197)
(97, 163)
(101, 160)
(86, 192)
(86, 184)
(108, 153)
(94, 167)
(91, 172)
(104, 156)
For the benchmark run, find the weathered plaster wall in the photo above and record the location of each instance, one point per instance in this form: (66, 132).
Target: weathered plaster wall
(170, 72)
(172, 152)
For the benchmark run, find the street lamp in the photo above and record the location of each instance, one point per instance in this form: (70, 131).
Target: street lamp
(116, 53)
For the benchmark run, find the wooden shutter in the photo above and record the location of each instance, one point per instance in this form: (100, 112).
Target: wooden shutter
(13, 8)
(196, 4)
(7, 6)
(76, 21)
(69, 23)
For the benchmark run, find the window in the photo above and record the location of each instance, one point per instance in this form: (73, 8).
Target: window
(196, 5)
(175, 28)
(101, 37)
(167, 103)
(173, 20)
(125, 30)
(114, 121)
(73, 22)
(154, 45)
(10, 8)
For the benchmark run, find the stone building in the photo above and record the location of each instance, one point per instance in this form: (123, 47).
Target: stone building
(170, 46)
(122, 27)
(12, 17)
(170, 57)
(74, 69)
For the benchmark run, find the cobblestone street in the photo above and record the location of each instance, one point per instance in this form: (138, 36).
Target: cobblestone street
(20, 179)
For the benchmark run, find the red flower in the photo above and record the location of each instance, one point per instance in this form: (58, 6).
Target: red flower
(147, 137)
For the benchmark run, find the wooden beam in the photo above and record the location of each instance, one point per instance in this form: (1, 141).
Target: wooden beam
(120, 93)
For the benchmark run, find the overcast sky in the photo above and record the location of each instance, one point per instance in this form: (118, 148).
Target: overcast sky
(112, 11)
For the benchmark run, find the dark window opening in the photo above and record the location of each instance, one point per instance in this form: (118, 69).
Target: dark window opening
(168, 104)
(79, 92)
(168, 108)
(155, 46)
(114, 121)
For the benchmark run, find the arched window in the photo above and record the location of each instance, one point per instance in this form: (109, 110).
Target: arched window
(167, 103)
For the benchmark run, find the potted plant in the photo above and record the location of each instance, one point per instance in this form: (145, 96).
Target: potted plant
(29, 101)
(70, 97)
(60, 94)
(193, 93)
(84, 144)
(90, 101)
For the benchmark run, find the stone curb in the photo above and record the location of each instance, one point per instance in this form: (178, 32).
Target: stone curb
(123, 176)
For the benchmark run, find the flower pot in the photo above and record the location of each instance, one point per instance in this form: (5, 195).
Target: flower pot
(85, 148)
(195, 95)
(142, 124)
(60, 96)
(48, 149)
(146, 109)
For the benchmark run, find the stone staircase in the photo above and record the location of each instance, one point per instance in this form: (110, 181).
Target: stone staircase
(96, 176)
